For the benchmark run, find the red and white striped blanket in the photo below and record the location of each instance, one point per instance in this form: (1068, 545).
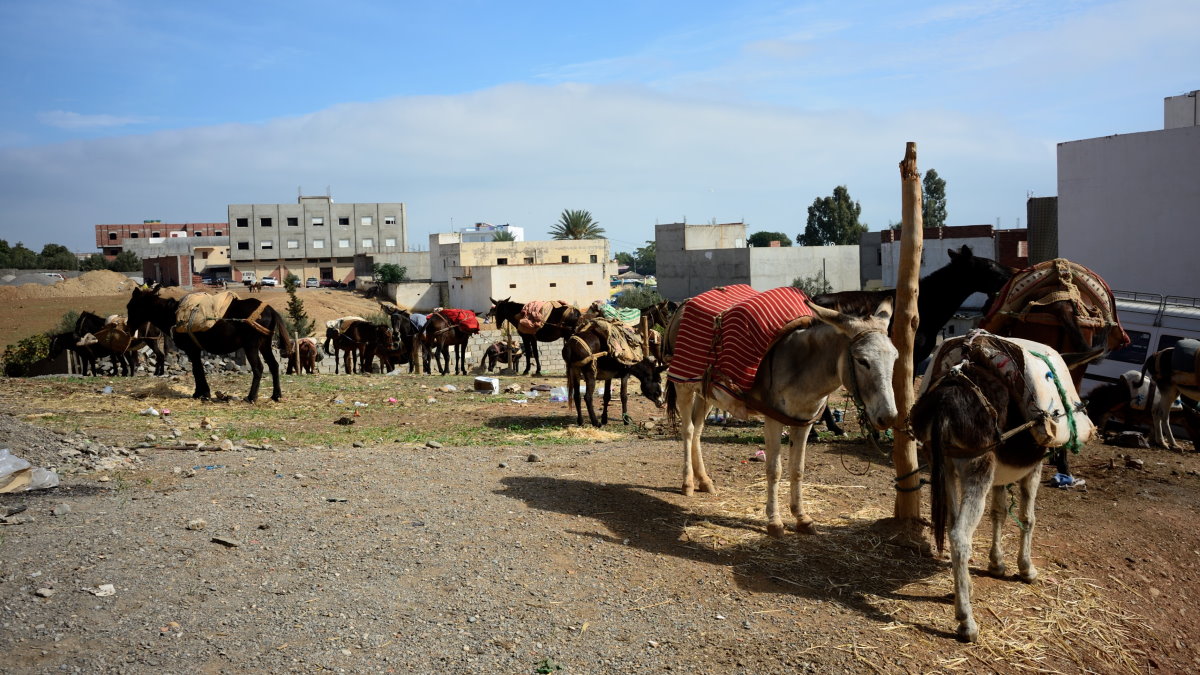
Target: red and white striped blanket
(726, 332)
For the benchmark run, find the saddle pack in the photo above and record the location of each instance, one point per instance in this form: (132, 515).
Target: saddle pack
(199, 311)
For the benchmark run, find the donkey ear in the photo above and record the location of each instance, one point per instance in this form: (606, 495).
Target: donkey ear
(884, 310)
(830, 316)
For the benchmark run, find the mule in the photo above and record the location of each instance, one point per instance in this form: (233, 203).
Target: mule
(247, 324)
(1175, 372)
(61, 342)
(408, 329)
(561, 323)
(440, 335)
(303, 357)
(132, 337)
(794, 380)
(374, 339)
(344, 352)
(587, 359)
(355, 343)
(499, 352)
(961, 418)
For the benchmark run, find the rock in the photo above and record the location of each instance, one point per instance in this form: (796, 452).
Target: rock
(1132, 462)
(432, 444)
(503, 465)
(227, 541)
(226, 445)
(196, 524)
(648, 426)
(358, 444)
(61, 510)
(44, 592)
(151, 437)
(533, 457)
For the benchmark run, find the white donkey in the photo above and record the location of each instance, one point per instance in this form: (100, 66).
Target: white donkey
(989, 409)
(793, 382)
(1175, 372)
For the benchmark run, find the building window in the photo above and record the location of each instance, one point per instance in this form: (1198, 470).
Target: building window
(344, 221)
(553, 285)
(217, 233)
(389, 220)
(343, 243)
(566, 258)
(133, 235)
(529, 261)
(319, 222)
(512, 285)
(1022, 249)
(264, 222)
(368, 242)
(293, 222)
(501, 261)
(112, 236)
(243, 246)
(204, 255)
(390, 241)
(243, 222)
(595, 259)
(292, 243)
(266, 245)
(589, 283)
(366, 221)
(318, 243)
(156, 235)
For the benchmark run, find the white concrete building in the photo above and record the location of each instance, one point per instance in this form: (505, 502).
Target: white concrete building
(1129, 204)
(576, 271)
(483, 232)
(692, 259)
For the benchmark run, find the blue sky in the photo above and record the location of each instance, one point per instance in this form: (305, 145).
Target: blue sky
(640, 112)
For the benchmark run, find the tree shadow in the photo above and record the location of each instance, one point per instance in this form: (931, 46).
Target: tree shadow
(835, 568)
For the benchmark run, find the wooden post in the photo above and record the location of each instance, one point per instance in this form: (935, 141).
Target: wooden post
(907, 510)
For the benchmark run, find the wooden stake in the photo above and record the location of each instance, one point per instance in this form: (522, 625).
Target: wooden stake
(904, 453)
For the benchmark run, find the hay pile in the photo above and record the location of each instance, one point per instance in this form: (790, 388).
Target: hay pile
(98, 282)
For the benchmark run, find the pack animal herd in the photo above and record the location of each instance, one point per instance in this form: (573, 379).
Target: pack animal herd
(991, 405)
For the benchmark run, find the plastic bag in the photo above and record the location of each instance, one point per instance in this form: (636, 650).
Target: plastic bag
(558, 394)
(18, 475)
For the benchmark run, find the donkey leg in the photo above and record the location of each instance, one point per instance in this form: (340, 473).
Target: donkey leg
(589, 394)
(202, 391)
(273, 366)
(798, 437)
(624, 396)
(996, 566)
(1167, 394)
(699, 411)
(772, 431)
(1028, 487)
(976, 478)
(256, 369)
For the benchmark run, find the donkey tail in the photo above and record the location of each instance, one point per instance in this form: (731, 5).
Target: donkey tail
(285, 342)
(937, 487)
(672, 398)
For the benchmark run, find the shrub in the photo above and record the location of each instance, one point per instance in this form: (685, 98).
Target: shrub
(639, 298)
(389, 273)
(20, 357)
(813, 286)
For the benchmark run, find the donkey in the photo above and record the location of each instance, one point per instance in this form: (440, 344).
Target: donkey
(499, 352)
(408, 329)
(794, 380)
(1117, 403)
(304, 357)
(587, 359)
(959, 418)
(440, 334)
(1175, 372)
(561, 323)
(146, 335)
(247, 325)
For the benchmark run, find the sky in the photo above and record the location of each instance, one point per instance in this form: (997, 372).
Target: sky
(640, 112)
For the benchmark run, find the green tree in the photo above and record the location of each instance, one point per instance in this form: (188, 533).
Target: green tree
(833, 220)
(95, 261)
(297, 320)
(22, 258)
(647, 258)
(576, 225)
(639, 298)
(388, 273)
(126, 261)
(933, 200)
(5, 251)
(504, 235)
(812, 286)
(57, 257)
(624, 258)
(764, 239)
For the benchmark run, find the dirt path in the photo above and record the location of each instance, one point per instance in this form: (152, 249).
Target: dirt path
(398, 556)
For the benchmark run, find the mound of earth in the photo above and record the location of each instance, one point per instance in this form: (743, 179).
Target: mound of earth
(97, 282)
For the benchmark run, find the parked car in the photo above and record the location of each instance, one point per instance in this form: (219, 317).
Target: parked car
(328, 283)
(312, 282)
(269, 281)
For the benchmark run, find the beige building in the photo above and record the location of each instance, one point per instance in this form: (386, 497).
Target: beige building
(576, 271)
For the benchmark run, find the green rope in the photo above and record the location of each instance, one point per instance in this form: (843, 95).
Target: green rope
(1012, 504)
(1073, 444)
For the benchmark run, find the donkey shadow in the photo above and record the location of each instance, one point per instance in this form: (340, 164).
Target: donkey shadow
(636, 517)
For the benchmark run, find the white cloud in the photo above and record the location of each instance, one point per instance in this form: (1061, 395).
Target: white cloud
(521, 154)
(63, 119)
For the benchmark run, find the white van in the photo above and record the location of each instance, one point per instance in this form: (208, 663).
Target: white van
(1153, 322)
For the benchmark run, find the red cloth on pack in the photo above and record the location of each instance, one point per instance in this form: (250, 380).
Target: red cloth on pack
(730, 330)
(464, 319)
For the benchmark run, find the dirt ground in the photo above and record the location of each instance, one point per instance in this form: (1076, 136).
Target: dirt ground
(461, 532)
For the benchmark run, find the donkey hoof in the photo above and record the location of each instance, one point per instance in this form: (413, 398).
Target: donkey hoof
(806, 527)
(775, 530)
(1029, 576)
(997, 569)
(968, 632)
(708, 486)
(688, 490)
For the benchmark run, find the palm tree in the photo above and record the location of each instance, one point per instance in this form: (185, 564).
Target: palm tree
(504, 235)
(576, 225)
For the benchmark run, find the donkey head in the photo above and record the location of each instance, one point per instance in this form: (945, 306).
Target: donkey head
(649, 375)
(867, 369)
(984, 275)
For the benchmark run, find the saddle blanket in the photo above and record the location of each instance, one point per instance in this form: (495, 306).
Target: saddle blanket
(1185, 361)
(340, 325)
(629, 315)
(534, 314)
(418, 320)
(1048, 394)
(622, 343)
(200, 311)
(727, 331)
(1052, 281)
(1144, 396)
(464, 319)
